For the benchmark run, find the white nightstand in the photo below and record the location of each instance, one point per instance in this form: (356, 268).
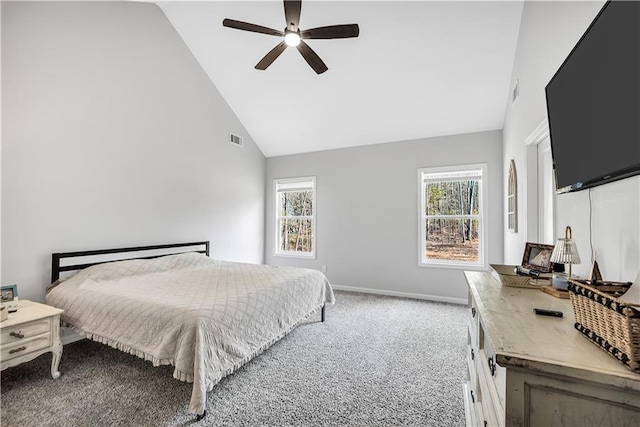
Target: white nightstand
(29, 332)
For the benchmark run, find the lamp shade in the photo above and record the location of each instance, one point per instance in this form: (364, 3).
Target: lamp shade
(565, 251)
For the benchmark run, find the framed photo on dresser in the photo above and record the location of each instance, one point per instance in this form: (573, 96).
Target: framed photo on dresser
(537, 256)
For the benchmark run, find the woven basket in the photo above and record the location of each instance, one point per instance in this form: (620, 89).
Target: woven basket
(506, 275)
(611, 324)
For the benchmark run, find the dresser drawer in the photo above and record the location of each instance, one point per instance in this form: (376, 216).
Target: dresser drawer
(471, 367)
(496, 374)
(474, 415)
(491, 409)
(490, 394)
(25, 331)
(473, 316)
(17, 349)
(469, 405)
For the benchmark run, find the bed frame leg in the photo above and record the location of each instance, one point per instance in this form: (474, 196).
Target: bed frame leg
(201, 417)
(322, 314)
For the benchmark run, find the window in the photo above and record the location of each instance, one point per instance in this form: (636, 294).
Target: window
(452, 227)
(295, 217)
(512, 198)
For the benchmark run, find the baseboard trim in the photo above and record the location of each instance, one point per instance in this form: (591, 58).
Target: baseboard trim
(459, 301)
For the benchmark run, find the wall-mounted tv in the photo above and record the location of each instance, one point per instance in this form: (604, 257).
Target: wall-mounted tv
(593, 102)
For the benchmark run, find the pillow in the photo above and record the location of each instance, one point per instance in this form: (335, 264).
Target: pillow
(133, 267)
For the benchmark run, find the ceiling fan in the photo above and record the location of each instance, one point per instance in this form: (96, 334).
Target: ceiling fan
(294, 37)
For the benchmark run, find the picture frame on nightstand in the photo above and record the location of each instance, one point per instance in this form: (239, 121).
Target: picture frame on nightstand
(9, 297)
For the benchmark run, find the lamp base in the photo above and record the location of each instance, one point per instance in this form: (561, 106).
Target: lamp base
(559, 281)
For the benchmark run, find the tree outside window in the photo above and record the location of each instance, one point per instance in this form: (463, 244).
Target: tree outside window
(295, 220)
(451, 217)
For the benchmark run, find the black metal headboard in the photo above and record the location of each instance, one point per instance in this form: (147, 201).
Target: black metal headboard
(56, 268)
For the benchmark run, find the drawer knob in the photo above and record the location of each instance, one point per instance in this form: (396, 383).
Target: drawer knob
(16, 350)
(16, 334)
(492, 365)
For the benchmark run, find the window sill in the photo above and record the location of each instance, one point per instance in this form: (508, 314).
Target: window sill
(294, 255)
(454, 266)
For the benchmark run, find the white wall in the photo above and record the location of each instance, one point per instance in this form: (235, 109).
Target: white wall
(0, 146)
(548, 32)
(114, 136)
(367, 211)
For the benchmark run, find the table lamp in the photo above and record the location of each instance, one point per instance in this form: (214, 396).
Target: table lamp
(565, 252)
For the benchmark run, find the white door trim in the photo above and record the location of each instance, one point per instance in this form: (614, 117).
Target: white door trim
(539, 133)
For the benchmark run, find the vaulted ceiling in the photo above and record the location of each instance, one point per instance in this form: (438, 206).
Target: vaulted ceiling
(418, 69)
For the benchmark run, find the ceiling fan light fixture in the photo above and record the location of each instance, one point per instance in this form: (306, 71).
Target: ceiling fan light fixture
(292, 39)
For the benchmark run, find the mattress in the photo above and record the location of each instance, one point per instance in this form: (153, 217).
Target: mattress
(205, 317)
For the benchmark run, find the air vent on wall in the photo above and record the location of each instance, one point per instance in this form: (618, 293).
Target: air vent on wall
(235, 139)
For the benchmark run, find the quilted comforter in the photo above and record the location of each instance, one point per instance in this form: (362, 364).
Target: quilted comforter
(203, 316)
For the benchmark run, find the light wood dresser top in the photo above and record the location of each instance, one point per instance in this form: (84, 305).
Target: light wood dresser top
(548, 344)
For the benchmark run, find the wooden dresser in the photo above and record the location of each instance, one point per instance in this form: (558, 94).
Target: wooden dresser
(532, 370)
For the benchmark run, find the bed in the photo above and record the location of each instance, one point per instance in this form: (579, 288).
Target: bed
(203, 316)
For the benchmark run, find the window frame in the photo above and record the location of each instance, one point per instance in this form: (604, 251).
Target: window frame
(278, 217)
(482, 263)
(512, 198)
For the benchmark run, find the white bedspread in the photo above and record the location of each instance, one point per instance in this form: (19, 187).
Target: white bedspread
(205, 317)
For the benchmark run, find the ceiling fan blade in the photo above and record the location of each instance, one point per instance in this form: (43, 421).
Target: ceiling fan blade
(239, 25)
(332, 32)
(312, 58)
(292, 11)
(271, 56)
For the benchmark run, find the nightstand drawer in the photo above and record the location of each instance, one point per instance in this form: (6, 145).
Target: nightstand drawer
(17, 349)
(25, 331)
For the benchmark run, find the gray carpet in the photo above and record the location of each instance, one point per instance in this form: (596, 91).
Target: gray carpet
(376, 361)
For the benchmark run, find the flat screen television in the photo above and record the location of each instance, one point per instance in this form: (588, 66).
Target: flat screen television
(593, 102)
